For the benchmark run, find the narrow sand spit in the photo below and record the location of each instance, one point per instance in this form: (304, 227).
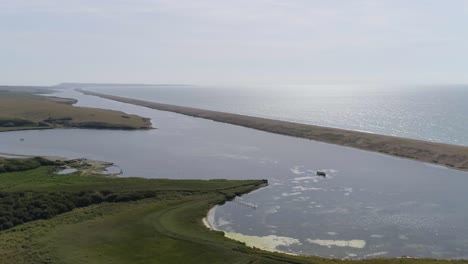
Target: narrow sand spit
(437, 153)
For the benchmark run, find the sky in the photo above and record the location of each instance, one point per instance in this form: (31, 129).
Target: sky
(212, 42)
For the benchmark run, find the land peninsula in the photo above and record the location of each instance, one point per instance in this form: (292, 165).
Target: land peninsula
(22, 109)
(86, 217)
(438, 153)
(89, 218)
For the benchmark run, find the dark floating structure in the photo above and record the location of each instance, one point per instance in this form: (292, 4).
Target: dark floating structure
(321, 173)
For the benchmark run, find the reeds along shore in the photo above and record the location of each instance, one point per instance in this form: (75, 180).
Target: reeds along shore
(452, 156)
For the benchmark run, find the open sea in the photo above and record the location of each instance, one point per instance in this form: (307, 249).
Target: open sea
(433, 113)
(370, 205)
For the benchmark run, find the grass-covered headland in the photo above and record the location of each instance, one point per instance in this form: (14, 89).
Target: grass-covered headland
(77, 218)
(20, 109)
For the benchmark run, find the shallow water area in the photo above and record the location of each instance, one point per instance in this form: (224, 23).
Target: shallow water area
(113, 170)
(368, 205)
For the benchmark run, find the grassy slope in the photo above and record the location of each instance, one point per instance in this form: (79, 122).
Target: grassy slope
(20, 110)
(41, 179)
(167, 229)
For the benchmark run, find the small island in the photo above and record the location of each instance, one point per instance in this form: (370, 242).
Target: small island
(23, 109)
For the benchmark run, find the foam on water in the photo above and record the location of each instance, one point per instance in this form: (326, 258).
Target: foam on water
(270, 242)
(339, 243)
(296, 170)
(302, 188)
(290, 194)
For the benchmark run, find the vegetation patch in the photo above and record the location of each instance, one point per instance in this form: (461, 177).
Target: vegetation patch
(21, 110)
(16, 122)
(12, 165)
(72, 219)
(20, 207)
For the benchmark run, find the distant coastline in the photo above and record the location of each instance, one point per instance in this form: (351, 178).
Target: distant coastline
(451, 156)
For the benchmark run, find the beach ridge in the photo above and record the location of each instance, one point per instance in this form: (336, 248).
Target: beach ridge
(452, 156)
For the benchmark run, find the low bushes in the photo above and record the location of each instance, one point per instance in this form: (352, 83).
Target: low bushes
(12, 165)
(21, 207)
(16, 122)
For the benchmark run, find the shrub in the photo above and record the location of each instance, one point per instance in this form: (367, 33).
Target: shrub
(12, 165)
(21, 207)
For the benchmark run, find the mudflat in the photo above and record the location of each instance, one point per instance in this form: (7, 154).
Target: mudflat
(452, 156)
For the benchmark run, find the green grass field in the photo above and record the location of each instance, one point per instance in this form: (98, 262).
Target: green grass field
(165, 228)
(24, 111)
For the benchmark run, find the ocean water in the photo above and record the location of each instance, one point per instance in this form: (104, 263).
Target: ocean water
(433, 113)
(370, 205)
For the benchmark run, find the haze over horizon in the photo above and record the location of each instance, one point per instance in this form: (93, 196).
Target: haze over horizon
(233, 42)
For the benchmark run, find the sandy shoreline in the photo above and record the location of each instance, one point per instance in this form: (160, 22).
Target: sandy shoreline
(451, 156)
(268, 243)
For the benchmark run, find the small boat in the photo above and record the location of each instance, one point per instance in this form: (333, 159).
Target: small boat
(321, 173)
(22, 139)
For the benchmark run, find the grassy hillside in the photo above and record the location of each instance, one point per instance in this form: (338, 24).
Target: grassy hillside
(162, 227)
(22, 110)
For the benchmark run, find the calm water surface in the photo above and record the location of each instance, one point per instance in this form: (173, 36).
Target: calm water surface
(435, 113)
(371, 205)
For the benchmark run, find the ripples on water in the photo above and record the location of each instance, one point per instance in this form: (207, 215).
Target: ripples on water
(338, 217)
(370, 205)
(435, 113)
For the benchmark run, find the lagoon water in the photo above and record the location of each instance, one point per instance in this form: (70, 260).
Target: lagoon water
(434, 113)
(371, 205)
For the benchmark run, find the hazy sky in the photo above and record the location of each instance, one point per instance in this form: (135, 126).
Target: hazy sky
(233, 42)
